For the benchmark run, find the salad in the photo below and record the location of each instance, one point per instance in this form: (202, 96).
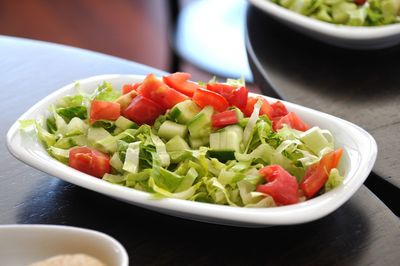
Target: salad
(209, 142)
(347, 12)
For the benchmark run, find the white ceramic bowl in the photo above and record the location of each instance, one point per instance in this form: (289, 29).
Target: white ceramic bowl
(340, 35)
(22, 245)
(359, 157)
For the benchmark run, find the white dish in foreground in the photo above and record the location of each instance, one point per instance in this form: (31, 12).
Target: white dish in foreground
(23, 245)
(363, 38)
(360, 152)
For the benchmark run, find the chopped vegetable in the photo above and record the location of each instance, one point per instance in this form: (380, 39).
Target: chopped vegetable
(281, 186)
(89, 161)
(180, 82)
(317, 175)
(102, 110)
(204, 97)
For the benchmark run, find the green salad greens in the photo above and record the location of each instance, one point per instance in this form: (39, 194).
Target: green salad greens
(347, 12)
(182, 155)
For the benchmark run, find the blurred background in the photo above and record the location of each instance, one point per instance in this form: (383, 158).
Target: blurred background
(138, 30)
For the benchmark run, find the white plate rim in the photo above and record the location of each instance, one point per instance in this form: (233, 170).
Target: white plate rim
(299, 213)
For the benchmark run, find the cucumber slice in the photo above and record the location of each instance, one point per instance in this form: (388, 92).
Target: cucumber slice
(124, 123)
(170, 129)
(196, 143)
(96, 134)
(177, 143)
(179, 156)
(184, 111)
(200, 125)
(228, 139)
(102, 140)
(238, 130)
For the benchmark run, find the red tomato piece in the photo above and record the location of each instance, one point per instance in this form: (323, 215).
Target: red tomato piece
(130, 87)
(235, 96)
(281, 186)
(239, 97)
(251, 101)
(89, 161)
(293, 121)
(143, 110)
(102, 110)
(317, 175)
(278, 109)
(180, 82)
(266, 109)
(360, 2)
(248, 110)
(204, 97)
(224, 119)
(221, 88)
(157, 91)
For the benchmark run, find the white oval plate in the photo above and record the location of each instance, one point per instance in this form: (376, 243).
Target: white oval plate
(340, 35)
(359, 157)
(22, 245)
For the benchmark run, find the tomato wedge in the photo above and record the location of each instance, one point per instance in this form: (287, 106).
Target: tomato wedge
(143, 110)
(221, 88)
(102, 110)
(278, 109)
(89, 161)
(251, 101)
(293, 121)
(281, 186)
(360, 2)
(235, 96)
(157, 91)
(224, 119)
(130, 87)
(204, 97)
(239, 97)
(180, 82)
(317, 175)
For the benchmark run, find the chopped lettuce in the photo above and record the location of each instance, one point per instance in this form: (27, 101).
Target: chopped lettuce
(131, 163)
(334, 180)
(70, 112)
(105, 92)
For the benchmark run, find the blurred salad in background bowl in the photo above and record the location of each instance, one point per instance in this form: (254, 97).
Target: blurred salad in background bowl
(356, 24)
(347, 12)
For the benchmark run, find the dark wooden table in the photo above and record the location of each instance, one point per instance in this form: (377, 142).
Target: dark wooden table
(362, 232)
(360, 86)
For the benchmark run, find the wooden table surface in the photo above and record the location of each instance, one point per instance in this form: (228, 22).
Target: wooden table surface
(362, 232)
(362, 87)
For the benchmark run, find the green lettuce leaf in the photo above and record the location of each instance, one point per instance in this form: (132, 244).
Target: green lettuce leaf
(105, 92)
(334, 180)
(70, 112)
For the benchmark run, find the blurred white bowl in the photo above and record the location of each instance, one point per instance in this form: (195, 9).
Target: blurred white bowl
(362, 38)
(21, 245)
